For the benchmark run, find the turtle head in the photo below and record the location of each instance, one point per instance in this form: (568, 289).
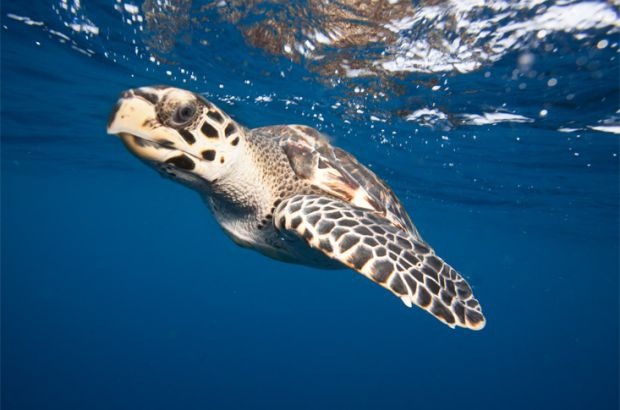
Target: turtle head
(178, 132)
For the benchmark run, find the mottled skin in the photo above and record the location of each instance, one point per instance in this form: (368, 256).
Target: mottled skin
(289, 194)
(245, 209)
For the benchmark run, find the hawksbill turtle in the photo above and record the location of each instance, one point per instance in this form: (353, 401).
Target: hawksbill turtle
(286, 192)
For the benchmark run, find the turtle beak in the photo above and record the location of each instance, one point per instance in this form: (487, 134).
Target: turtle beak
(134, 119)
(132, 111)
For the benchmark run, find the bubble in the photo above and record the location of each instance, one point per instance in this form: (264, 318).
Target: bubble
(543, 113)
(526, 60)
(602, 44)
(552, 82)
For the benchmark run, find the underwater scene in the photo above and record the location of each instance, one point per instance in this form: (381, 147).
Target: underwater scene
(495, 126)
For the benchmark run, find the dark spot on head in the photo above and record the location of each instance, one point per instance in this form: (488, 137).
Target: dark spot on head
(235, 141)
(215, 115)
(230, 128)
(221, 160)
(152, 98)
(187, 136)
(182, 161)
(208, 154)
(208, 130)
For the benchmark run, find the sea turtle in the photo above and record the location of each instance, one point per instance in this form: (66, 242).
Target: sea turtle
(286, 192)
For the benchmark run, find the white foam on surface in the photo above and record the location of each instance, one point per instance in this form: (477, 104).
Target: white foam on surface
(426, 112)
(25, 19)
(466, 41)
(488, 118)
(613, 129)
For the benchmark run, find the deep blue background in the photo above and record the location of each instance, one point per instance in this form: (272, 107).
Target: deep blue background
(119, 291)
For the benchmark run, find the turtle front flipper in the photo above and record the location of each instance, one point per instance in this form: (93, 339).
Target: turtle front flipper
(383, 253)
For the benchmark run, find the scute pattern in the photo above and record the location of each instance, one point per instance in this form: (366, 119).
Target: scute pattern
(337, 173)
(385, 254)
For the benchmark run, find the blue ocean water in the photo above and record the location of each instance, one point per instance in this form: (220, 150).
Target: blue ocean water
(496, 124)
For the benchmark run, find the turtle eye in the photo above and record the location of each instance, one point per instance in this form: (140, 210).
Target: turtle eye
(184, 113)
